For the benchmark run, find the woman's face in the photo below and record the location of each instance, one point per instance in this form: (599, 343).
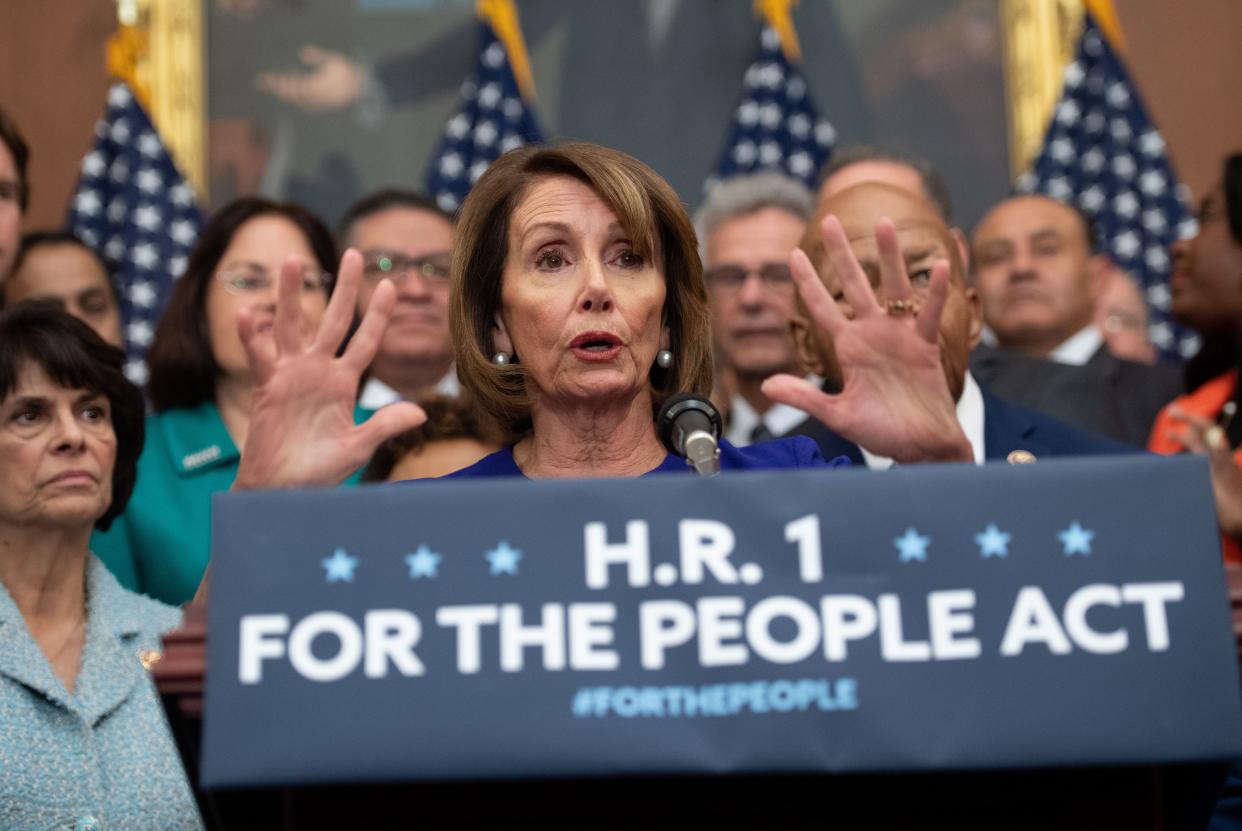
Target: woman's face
(1206, 285)
(246, 277)
(57, 451)
(580, 308)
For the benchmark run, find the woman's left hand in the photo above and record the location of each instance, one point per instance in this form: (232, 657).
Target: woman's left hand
(895, 400)
(302, 431)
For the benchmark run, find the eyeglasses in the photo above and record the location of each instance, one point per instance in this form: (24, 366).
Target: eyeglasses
(248, 281)
(434, 268)
(729, 278)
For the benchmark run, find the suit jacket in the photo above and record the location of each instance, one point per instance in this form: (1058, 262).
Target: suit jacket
(101, 755)
(1006, 429)
(1107, 395)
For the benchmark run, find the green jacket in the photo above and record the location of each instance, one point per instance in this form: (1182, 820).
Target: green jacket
(161, 544)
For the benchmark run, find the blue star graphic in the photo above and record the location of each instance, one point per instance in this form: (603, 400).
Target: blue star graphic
(1076, 540)
(423, 563)
(340, 567)
(912, 546)
(503, 559)
(993, 542)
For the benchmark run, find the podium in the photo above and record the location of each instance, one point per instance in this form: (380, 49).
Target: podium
(1088, 798)
(1089, 682)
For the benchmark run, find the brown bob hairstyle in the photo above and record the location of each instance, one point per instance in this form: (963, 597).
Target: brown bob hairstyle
(182, 370)
(651, 214)
(40, 333)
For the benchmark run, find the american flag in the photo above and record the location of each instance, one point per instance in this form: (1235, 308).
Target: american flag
(135, 208)
(493, 119)
(1103, 153)
(775, 125)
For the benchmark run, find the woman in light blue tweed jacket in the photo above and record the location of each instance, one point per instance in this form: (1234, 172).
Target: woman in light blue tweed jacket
(83, 740)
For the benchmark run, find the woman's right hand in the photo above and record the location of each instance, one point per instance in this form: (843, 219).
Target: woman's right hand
(1202, 435)
(302, 431)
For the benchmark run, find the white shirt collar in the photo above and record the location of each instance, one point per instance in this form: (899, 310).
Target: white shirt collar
(779, 418)
(1079, 348)
(376, 394)
(969, 415)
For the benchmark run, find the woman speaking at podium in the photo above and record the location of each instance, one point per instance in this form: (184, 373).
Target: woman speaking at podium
(578, 304)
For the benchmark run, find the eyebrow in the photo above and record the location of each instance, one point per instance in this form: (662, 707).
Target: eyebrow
(563, 228)
(244, 263)
(231, 264)
(42, 400)
(922, 253)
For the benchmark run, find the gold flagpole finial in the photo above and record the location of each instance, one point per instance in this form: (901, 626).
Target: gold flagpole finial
(1105, 14)
(503, 17)
(127, 49)
(779, 15)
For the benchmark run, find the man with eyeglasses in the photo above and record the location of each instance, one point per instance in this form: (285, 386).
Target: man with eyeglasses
(747, 228)
(407, 238)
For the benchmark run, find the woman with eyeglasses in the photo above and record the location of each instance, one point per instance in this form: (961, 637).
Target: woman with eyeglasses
(200, 385)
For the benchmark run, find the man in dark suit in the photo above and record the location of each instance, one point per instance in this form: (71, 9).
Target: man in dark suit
(1039, 280)
(1106, 395)
(994, 428)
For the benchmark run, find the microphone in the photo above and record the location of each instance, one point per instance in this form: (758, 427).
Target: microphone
(690, 427)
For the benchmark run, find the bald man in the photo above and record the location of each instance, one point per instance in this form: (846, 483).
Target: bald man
(1041, 280)
(995, 429)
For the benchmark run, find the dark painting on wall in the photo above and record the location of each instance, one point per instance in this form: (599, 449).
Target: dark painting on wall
(324, 100)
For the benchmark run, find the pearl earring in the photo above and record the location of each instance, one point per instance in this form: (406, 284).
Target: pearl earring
(664, 358)
(501, 359)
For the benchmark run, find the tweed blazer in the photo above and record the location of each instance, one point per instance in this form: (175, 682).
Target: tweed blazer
(101, 756)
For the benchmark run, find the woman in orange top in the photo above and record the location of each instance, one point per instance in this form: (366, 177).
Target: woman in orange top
(1206, 289)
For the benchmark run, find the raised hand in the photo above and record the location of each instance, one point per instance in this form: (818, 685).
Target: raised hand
(302, 430)
(895, 400)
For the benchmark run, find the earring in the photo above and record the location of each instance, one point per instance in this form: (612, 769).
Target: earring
(664, 358)
(501, 359)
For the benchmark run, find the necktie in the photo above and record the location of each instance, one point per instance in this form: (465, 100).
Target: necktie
(760, 433)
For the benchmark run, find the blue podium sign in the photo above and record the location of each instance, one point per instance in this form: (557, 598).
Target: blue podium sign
(940, 617)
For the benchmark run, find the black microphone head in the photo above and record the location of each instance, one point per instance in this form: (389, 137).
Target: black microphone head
(679, 408)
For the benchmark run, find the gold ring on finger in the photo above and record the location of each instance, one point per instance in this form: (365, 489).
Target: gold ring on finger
(1214, 437)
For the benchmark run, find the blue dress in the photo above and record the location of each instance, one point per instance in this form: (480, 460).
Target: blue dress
(779, 454)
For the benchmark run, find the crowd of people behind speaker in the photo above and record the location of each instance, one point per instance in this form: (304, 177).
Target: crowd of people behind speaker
(1054, 328)
(1031, 310)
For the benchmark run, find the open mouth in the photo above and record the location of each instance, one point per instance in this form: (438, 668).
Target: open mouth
(596, 346)
(759, 333)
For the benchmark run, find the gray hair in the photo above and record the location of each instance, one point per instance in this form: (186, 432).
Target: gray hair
(748, 194)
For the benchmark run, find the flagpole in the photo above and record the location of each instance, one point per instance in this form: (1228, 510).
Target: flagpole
(157, 50)
(502, 16)
(779, 15)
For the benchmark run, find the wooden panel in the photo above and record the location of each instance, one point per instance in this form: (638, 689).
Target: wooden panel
(53, 82)
(1186, 62)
